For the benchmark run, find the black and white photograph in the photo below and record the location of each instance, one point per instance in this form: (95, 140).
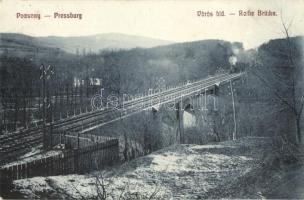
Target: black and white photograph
(151, 100)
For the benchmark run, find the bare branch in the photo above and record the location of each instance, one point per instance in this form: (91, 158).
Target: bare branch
(78, 192)
(275, 92)
(301, 106)
(156, 190)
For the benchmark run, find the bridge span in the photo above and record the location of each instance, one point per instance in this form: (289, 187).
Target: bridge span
(128, 108)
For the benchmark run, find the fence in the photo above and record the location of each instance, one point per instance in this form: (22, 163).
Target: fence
(82, 160)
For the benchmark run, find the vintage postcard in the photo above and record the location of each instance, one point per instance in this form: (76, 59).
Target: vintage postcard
(142, 100)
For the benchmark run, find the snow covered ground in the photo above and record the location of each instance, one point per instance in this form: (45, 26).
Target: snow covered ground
(176, 172)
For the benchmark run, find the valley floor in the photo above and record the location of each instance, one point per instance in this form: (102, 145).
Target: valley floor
(176, 172)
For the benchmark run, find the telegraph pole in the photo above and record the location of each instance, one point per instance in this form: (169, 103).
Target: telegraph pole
(45, 74)
(234, 115)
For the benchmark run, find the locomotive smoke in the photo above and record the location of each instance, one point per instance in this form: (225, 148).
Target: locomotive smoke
(233, 58)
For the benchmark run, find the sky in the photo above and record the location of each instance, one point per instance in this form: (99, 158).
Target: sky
(175, 21)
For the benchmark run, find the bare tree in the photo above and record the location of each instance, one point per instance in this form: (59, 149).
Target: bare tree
(100, 188)
(284, 85)
(296, 105)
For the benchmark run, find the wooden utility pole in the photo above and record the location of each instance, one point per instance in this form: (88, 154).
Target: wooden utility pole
(45, 74)
(234, 114)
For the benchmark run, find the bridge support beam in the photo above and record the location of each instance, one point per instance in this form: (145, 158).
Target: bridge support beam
(180, 123)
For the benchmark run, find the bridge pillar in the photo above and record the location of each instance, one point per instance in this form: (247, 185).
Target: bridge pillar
(215, 90)
(180, 123)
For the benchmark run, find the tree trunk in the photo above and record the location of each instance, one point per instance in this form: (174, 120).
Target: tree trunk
(24, 110)
(39, 102)
(298, 129)
(16, 113)
(126, 147)
(1, 121)
(67, 96)
(4, 116)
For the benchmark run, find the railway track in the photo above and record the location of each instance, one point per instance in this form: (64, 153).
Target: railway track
(15, 142)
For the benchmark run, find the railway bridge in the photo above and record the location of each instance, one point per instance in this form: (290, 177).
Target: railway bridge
(10, 144)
